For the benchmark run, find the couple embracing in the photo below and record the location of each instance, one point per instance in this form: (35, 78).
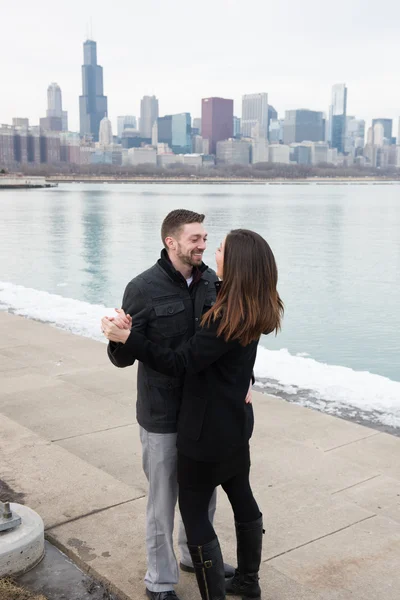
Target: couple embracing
(195, 333)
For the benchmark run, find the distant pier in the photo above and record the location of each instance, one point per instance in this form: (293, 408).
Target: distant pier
(21, 182)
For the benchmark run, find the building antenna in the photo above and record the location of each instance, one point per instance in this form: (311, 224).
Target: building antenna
(91, 29)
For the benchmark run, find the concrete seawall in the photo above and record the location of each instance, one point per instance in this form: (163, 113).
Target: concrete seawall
(69, 445)
(15, 183)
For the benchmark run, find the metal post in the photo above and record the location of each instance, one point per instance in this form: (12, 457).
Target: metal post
(8, 518)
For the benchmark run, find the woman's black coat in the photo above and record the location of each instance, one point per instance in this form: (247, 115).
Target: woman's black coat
(214, 420)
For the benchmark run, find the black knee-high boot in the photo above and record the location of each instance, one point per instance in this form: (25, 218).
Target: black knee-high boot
(209, 569)
(249, 546)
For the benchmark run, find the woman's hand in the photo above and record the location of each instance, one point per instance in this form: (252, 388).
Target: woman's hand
(249, 397)
(123, 321)
(114, 333)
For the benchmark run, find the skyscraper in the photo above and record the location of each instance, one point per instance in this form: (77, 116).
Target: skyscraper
(387, 127)
(216, 121)
(125, 122)
(54, 100)
(374, 149)
(92, 103)
(175, 130)
(236, 127)
(275, 131)
(64, 120)
(20, 122)
(259, 144)
(272, 115)
(355, 135)
(233, 152)
(148, 115)
(197, 125)
(254, 110)
(56, 118)
(164, 130)
(303, 125)
(338, 113)
(181, 133)
(105, 132)
(154, 134)
(378, 134)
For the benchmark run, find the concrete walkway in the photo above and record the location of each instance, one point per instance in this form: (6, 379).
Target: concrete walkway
(329, 489)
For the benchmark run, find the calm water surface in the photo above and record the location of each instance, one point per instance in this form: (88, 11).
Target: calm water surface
(337, 248)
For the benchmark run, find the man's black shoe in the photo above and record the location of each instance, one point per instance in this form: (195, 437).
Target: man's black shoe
(170, 595)
(229, 571)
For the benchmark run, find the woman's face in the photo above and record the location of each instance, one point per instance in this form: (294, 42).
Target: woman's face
(219, 259)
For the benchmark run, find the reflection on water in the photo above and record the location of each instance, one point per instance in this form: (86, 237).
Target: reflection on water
(95, 226)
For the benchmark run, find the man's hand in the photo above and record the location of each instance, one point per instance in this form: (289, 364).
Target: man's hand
(249, 397)
(114, 333)
(122, 321)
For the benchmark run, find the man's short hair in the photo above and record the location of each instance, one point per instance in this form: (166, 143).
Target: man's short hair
(176, 219)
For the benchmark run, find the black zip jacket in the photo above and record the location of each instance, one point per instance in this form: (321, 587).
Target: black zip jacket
(168, 313)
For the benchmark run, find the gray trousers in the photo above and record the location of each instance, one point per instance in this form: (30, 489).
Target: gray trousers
(160, 467)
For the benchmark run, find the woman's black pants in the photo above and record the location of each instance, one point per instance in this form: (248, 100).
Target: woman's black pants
(194, 501)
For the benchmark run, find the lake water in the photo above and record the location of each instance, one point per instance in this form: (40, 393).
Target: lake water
(66, 255)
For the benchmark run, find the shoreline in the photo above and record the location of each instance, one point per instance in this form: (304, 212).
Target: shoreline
(347, 413)
(304, 397)
(224, 180)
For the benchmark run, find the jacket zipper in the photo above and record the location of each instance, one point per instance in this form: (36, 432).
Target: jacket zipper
(204, 572)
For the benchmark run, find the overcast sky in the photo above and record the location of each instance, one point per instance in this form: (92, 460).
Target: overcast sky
(182, 50)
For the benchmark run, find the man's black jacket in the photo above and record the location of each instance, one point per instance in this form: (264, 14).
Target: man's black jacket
(168, 313)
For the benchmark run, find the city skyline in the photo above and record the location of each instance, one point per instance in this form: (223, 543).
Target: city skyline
(181, 79)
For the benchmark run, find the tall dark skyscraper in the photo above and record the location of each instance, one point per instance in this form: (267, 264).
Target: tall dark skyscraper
(338, 120)
(92, 103)
(164, 125)
(216, 121)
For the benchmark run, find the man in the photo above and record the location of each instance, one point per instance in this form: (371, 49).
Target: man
(166, 303)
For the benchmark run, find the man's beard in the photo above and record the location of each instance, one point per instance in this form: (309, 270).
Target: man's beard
(188, 259)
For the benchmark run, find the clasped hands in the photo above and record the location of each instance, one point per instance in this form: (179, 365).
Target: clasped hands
(117, 329)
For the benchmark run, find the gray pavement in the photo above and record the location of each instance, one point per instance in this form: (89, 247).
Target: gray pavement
(329, 489)
(58, 578)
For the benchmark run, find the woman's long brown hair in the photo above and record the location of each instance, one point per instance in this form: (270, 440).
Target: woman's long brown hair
(248, 303)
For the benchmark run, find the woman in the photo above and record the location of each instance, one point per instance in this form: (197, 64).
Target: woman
(215, 424)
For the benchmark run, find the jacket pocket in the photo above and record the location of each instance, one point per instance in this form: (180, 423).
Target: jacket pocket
(209, 301)
(171, 318)
(164, 398)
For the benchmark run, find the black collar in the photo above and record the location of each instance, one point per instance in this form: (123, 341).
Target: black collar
(167, 266)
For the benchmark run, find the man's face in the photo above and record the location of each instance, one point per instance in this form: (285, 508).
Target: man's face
(190, 244)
